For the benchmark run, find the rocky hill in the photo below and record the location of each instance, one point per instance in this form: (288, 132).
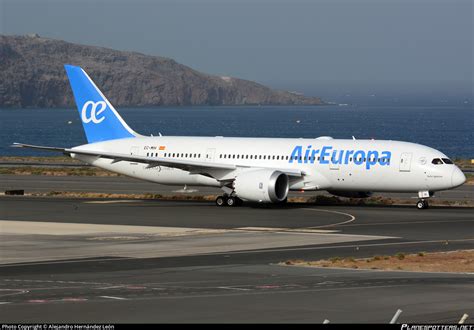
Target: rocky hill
(32, 75)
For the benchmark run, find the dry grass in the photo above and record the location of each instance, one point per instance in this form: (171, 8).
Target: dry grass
(57, 171)
(464, 163)
(469, 178)
(321, 200)
(145, 196)
(46, 160)
(461, 261)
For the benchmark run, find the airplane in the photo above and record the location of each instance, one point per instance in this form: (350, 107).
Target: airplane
(261, 170)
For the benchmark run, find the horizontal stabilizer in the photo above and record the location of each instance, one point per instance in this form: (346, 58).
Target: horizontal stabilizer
(22, 145)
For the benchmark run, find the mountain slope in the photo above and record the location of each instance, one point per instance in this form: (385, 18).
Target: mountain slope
(32, 75)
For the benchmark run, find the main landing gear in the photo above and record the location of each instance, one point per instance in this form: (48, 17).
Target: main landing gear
(227, 200)
(422, 204)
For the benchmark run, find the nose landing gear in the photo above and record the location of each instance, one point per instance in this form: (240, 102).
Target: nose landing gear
(422, 204)
(423, 199)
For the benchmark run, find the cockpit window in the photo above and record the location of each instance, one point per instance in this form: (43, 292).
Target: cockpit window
(437, 161)
(447, 161)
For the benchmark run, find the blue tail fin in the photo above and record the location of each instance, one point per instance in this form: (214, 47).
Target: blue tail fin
(100, 119)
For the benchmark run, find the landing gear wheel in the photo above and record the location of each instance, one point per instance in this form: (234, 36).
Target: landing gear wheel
(231, 201)
(422, 204)
(220, 201)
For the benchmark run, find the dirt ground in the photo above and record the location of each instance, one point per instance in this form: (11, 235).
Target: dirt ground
(454, 262)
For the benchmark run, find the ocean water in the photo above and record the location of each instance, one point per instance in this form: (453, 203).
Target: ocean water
(449, 129)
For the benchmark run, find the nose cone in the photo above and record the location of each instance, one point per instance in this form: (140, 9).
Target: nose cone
(458, 177)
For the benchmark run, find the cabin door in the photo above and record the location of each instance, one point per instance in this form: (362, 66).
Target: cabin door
(405, 162)
(210, 154)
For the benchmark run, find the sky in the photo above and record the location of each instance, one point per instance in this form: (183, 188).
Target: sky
(328, 48)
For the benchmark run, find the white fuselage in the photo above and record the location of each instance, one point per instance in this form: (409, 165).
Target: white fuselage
(328, 164)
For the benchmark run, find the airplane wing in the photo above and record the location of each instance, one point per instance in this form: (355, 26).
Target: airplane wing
(187, 165)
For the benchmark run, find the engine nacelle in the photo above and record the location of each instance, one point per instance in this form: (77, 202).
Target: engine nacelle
(263, 186)
(350, 194)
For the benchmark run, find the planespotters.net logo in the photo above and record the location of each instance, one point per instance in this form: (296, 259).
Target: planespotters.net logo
(437, 327)
(92, 110)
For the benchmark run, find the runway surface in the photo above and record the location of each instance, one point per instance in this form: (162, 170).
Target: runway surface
(86, 260)
(124, 185)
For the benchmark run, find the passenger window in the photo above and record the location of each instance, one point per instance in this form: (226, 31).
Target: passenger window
(447, 161)
(437, 161)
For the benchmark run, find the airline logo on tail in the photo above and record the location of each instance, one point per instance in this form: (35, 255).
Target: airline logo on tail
(96, 109)
(100, 120)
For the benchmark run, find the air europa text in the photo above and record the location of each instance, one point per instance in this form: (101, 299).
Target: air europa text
(327, 155)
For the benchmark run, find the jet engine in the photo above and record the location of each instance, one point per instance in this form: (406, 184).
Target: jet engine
(351, 194)
(263, 186)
